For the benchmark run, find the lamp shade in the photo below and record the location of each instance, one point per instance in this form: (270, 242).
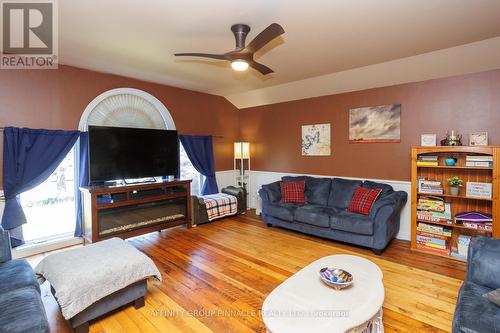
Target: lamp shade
(242, 150)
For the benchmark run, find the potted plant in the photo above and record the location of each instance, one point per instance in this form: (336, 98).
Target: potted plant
(455, 182)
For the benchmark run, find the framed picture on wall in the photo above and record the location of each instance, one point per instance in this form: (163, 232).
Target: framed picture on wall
(375, 124)
(316, 140)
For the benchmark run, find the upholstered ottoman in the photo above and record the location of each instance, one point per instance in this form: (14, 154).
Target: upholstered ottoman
(91, 281)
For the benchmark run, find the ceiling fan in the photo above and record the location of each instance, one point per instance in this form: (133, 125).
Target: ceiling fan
(242, 56)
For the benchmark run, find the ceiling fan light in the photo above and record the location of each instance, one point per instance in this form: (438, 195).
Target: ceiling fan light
(239, 65)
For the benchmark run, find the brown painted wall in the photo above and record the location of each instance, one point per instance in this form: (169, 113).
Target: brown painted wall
(55, 99)
(466, 103)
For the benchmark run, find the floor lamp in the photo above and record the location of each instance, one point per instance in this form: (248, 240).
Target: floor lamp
(242, 165)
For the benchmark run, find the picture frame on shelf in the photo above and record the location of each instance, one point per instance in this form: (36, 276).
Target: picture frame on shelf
(478, 139)
(428, 140)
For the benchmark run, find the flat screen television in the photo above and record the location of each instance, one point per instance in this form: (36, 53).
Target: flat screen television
(128, 153)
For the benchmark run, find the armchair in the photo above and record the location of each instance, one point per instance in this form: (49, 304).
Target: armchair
(21, 308)
(473, 312)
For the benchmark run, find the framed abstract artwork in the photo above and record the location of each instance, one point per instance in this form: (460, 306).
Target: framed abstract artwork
(375, 124)
(316, 140)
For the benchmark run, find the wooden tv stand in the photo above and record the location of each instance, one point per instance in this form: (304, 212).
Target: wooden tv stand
(133, 210)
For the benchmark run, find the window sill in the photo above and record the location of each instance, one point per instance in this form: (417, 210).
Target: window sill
(32, 249)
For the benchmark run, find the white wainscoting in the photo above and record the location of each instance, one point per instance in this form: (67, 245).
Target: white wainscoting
(224, 178)
(259, 178)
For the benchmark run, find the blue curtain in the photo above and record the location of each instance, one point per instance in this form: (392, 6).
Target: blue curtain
(29, 157)
(200, 151)
(82, 178)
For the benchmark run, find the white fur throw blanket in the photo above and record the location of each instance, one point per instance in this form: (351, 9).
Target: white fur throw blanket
(82, 276)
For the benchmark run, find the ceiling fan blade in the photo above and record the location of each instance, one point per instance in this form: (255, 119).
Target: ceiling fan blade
(204, 55)
(267, 35)
(264, 70)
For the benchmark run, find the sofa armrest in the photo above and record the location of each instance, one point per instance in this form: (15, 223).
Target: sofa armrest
(385, 215)
(271, 192)
(483, 262)
(240, 193)
(198, 210)
(395, 199)
(5, 250)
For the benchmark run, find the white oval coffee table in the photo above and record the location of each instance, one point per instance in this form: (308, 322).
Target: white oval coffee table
(303, 303)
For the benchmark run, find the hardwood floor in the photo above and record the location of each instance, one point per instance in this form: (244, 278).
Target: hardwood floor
(216, 276)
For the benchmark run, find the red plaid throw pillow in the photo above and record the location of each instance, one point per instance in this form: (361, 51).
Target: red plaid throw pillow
(363, 199)
(293, 191)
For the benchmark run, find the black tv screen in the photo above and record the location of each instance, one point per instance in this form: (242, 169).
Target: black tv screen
(125, 153)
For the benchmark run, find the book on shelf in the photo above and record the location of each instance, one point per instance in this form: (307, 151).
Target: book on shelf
(430, 203)
(479, 226)
(433, 216)
(432, 241)
(429, 234)
(432, 245)
(427, 160)
(479, 161)
(432, 249)
(473, 216)
(427, 163)
(431, 158)
(479, 158)
(430, 186)
(475, 220)
(433, 229)
(479, 164)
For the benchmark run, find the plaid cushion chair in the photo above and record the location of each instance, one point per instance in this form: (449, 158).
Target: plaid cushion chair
(363, 200)
(293, 192)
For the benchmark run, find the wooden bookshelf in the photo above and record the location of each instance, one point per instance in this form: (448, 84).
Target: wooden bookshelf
(459, 203)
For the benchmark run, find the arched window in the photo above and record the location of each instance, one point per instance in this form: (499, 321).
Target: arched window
(126, 107)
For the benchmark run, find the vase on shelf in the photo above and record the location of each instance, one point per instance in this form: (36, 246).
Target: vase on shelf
(454, 190)
(450, 161)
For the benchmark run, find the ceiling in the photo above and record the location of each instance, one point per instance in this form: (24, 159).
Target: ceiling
(138, 38)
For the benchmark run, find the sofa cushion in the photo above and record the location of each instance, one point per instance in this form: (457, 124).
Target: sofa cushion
(315, 215)
(341, 192)
(284, 211)
(22, 311)
(362, 200)
(493, 296)
(485, 262)
(352, 222)
(16, 274)
(317, 190)
(273, 191)
(293, 192)
(473, 312)
(386, 188)
(293, 178)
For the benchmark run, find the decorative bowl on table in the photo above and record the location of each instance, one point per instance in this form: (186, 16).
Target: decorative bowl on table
(336, 277)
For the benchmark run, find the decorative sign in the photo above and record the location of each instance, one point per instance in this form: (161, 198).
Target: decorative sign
(316, 140)
(478, 190)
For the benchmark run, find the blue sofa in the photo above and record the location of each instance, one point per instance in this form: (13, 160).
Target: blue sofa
(473, 312)
(325, 212)
(21, 307)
